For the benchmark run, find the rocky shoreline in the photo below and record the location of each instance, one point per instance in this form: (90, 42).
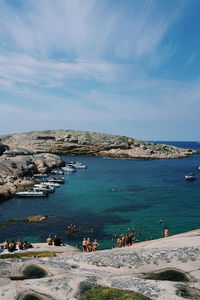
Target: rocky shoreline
(163, 269)
(17, 166)
(24, 154)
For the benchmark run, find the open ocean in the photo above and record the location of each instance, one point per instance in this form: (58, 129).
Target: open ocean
(112, 196)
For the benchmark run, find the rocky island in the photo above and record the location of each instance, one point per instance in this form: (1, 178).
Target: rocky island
(91, 143)
(24, 154)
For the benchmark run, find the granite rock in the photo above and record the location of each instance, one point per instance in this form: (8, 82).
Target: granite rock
(92, 143)
(68, 275)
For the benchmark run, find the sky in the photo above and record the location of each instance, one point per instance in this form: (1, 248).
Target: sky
(127, 67)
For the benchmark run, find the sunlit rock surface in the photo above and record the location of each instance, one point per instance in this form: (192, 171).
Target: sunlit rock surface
(66, 276)
(92, 143)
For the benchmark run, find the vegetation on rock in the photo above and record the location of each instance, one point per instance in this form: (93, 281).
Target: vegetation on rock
(105, 293)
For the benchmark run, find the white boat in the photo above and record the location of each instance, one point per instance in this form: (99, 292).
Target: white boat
(190, 177)
(40, 175)
(77, 165)
(69, 168)
(56, 179)
(60, 172)
(31, 193)
(42, 188)
(53, 184)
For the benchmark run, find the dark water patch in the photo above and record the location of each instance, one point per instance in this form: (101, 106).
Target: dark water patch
(88, 224)
(127, 208)
(135, 188)
(32, 295)
(19, 277)
(169, 275)
(34, 271)
(188, 292)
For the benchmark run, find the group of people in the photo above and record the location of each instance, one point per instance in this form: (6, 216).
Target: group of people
(13, 246)
(89, 246)
(56, 241)
(71, 228)
(125, 240)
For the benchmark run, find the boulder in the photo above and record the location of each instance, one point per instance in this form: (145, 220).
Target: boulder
(3, 148)
(38, 218)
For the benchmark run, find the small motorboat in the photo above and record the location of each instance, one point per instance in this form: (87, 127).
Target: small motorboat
(48, 183)
(190, 177)
(40, 175)
(31, 193)
(60, 172)
(43, 188)
(56, 179)
(69, 168)
(77, 165)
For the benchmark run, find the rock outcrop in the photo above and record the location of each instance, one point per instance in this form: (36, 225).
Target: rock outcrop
(17, 165)
(37, 218)
(162, 269)
(92, 143)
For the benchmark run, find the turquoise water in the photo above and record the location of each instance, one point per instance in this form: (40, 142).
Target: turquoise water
(112, 196)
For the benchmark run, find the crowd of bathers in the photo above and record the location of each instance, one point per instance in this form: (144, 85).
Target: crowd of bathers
(125, 240)
(13, 246)
(89, 246)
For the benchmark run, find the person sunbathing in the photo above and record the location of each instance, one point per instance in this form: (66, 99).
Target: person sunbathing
(57, 241)
(20, 244)
(27, 245)
(49, 240)
(12, 246)
(5, 244)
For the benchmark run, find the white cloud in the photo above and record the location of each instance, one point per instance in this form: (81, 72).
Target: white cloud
(88, 28)
(92, 58)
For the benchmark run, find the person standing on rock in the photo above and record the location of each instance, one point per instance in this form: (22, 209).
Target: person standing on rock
(95, 245)
(166, 232)
(84, 245)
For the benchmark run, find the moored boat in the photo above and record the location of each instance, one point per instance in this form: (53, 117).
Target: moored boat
(56, 179)
(69, 168)
(190, 177)
(31, 193)
(60, 172)
(77, 165)
(43, 188)
(48, 183)
(40, 175)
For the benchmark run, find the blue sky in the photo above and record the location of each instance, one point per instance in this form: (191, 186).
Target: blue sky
(129, 67)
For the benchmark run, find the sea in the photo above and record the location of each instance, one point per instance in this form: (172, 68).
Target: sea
(110, 198)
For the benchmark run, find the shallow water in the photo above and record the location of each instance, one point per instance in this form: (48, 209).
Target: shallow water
(112, 196)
